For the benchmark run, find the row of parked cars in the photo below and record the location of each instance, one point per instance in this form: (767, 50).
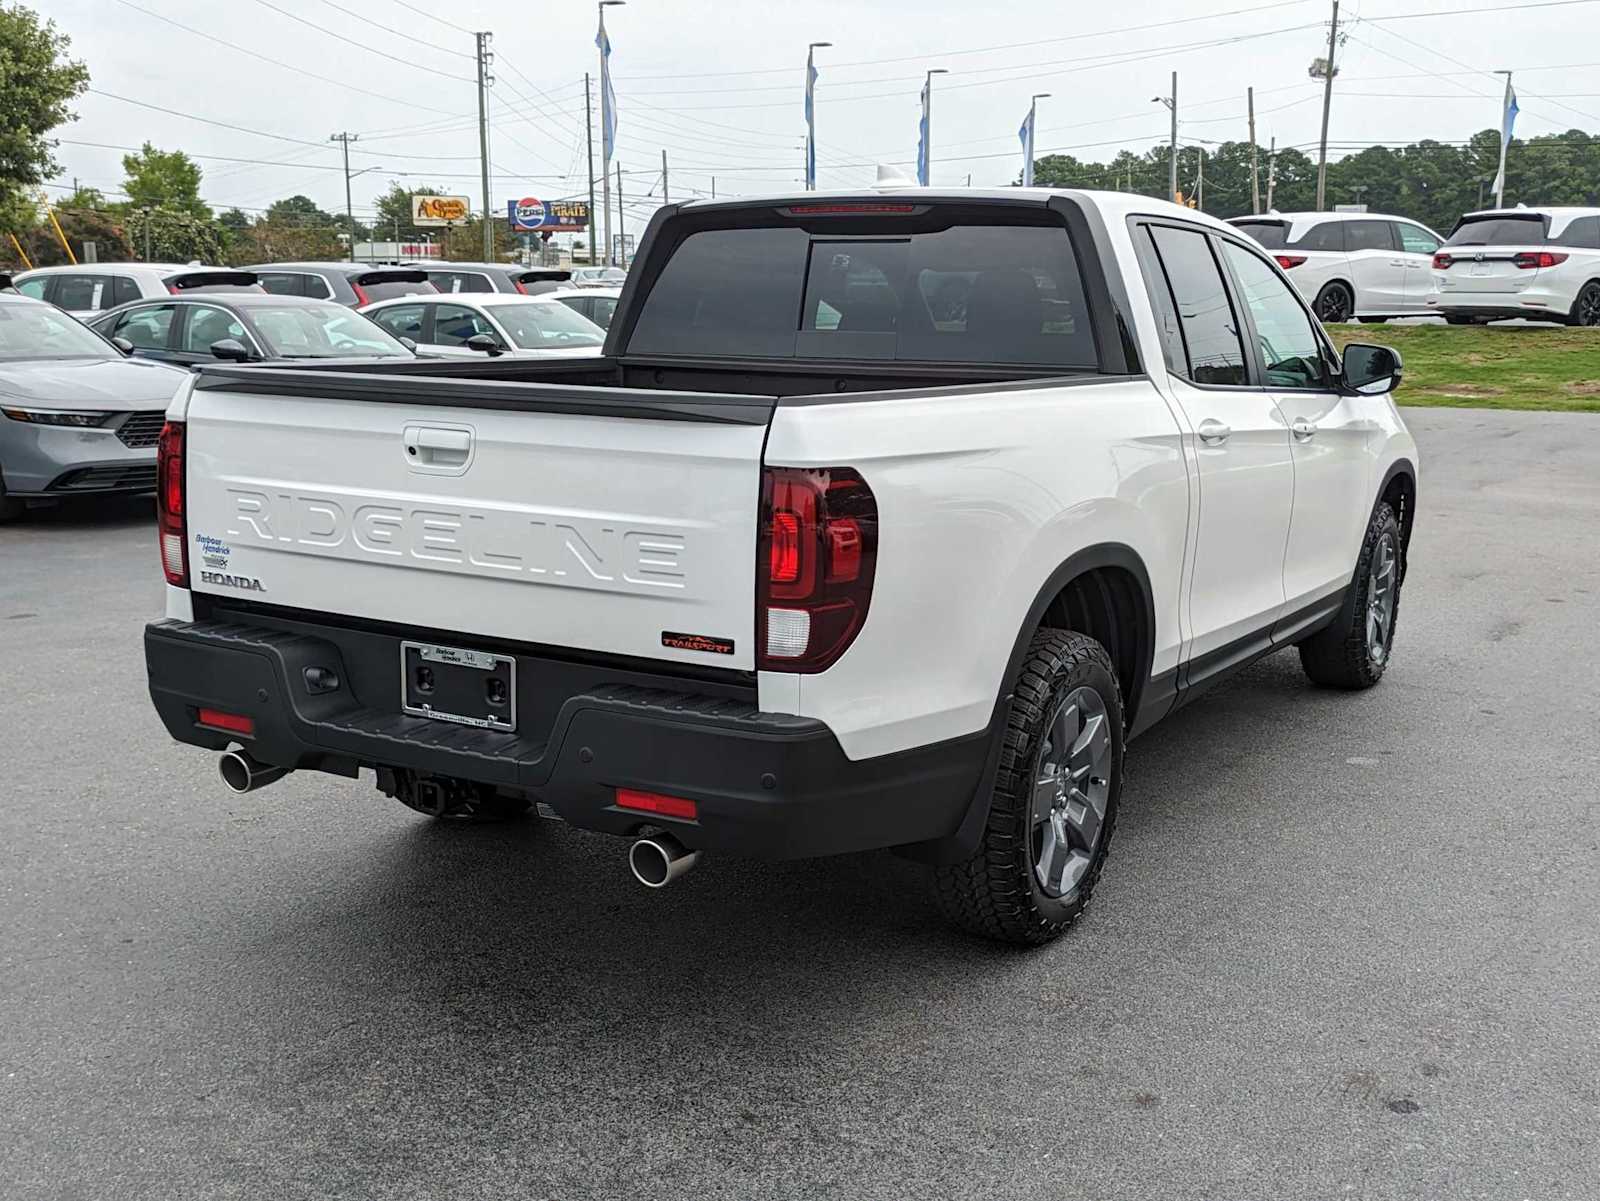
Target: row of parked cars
(1539, 263)
(90, 356)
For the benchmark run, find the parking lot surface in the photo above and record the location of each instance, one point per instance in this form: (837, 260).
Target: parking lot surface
(1346, 945)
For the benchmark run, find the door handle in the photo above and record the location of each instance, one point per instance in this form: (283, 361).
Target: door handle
(1213, 432)
(432, 448)
(1304, 430)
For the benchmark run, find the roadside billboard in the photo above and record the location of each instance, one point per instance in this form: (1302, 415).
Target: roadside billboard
(440, 210)
(532, 215)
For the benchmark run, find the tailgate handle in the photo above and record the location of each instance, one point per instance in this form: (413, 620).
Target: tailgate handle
(438, 449)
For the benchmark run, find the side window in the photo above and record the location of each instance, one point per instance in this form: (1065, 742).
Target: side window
(453, 325)
(315, 286)
(279, 283)
(403, 321)
(604, 308)
(34, 287)
(1290, 348)
(1368, 235)
(471, 281)
(148, 328)
(1414, 239)
(445, 281)
(208, 326)
(123, 289)
(82, 293)
(1584, 233)
(1213, 353)
(1327, 235)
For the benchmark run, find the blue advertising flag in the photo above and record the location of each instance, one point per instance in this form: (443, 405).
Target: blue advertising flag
(922, 137)
(608, 96)
(811, 121)
(1508, 118)
(1025, 135)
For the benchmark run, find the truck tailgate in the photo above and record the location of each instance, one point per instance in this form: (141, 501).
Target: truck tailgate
(545, 523)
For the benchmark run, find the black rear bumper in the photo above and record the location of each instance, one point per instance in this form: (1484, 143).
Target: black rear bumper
(767, 785)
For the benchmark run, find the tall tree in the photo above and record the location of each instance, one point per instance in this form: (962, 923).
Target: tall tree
(37, 83)
(164, 178)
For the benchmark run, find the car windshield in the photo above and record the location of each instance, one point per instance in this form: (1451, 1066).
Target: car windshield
(546, 326)
(321, 331)
(1498, 231)
(40, 331)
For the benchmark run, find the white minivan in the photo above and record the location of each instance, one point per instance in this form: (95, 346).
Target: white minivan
(1542, 264)
(1351, 265)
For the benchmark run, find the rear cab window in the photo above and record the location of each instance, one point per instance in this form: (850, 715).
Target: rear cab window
(924, 287)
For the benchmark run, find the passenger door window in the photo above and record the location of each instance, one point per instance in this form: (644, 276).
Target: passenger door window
(1291, 352)
(148, 327)
(82, 293)
(1368, 235)
(123, 289)
(1327, 235)
(207, 326)
(281, 283)
(1415, 240)
(1209, 329)
(454, 324)
(403, 321)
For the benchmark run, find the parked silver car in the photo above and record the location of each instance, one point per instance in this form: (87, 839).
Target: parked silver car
(76, 415)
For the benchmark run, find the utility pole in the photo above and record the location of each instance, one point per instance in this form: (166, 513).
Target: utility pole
(1327, 102)
(622, 233)
(1272, 171)
(1200, 180)
(484, 82)
(588, 132)
(1172, 158)
(349, 207)
(1255, 167)
(666, 197)
(713, 187)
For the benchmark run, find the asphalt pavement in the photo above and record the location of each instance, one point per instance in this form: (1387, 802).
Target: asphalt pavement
(1346, 945)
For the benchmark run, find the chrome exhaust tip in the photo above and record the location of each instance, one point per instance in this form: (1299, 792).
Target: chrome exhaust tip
(659, 860)
(243, 773)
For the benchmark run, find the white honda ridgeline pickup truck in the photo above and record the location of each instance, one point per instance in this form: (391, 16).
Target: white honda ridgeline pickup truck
(886, 520)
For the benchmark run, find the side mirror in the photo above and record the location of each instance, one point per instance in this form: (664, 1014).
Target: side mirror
(485, 343)
(1370, 370)
(231, 349)
(122, 344)
(410, 344)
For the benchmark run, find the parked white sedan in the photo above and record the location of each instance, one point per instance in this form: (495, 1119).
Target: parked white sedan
(1350, 265)
(468, 325)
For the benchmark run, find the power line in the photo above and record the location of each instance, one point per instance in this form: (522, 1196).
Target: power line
(432, 17)
(390, 29)
(415, 66)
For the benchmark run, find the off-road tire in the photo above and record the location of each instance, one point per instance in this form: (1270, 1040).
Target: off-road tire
(1340, 655)
(996, 892)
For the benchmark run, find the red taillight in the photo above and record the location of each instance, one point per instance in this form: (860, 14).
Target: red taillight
(1442, 261)
(657, 803)
(519, 287)
(171, 524)
(842, 210)
(1529, 259)
(361, 294)
(234, 723)
(173, 288)
(818, 552)
(1289, 260)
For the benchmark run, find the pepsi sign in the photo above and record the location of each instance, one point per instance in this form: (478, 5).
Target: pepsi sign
(532, 215)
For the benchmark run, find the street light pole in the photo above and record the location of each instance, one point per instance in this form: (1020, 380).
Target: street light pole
(1172, 155)
(349, 207)
(484, 80)
(588, 133)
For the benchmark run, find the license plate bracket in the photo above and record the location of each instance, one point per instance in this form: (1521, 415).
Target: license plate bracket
(469, 688)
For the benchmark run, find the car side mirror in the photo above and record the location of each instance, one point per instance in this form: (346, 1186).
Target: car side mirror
(410, 344)
(231, 349)
(1370, 370)
(485, 343)
(122, 344)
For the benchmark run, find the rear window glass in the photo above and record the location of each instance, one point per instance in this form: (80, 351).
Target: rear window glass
(1582, 231)
(1271, 234)
(970, 293)
(1498, 231)
(388, 289)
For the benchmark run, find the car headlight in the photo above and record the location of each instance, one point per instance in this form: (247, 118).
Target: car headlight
(55, 417)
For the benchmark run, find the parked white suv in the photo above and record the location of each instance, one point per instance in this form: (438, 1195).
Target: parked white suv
(1351, 265)
(88, 289)
(885, 520)
(1543, 264)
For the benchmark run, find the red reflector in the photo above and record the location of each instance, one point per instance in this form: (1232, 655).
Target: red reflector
(785, 564)
(657, 803)
(1289, 260)
(1442, 261)
(232, 722)
(838, 210)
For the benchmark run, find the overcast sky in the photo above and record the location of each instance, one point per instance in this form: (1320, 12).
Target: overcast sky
(719, 85)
